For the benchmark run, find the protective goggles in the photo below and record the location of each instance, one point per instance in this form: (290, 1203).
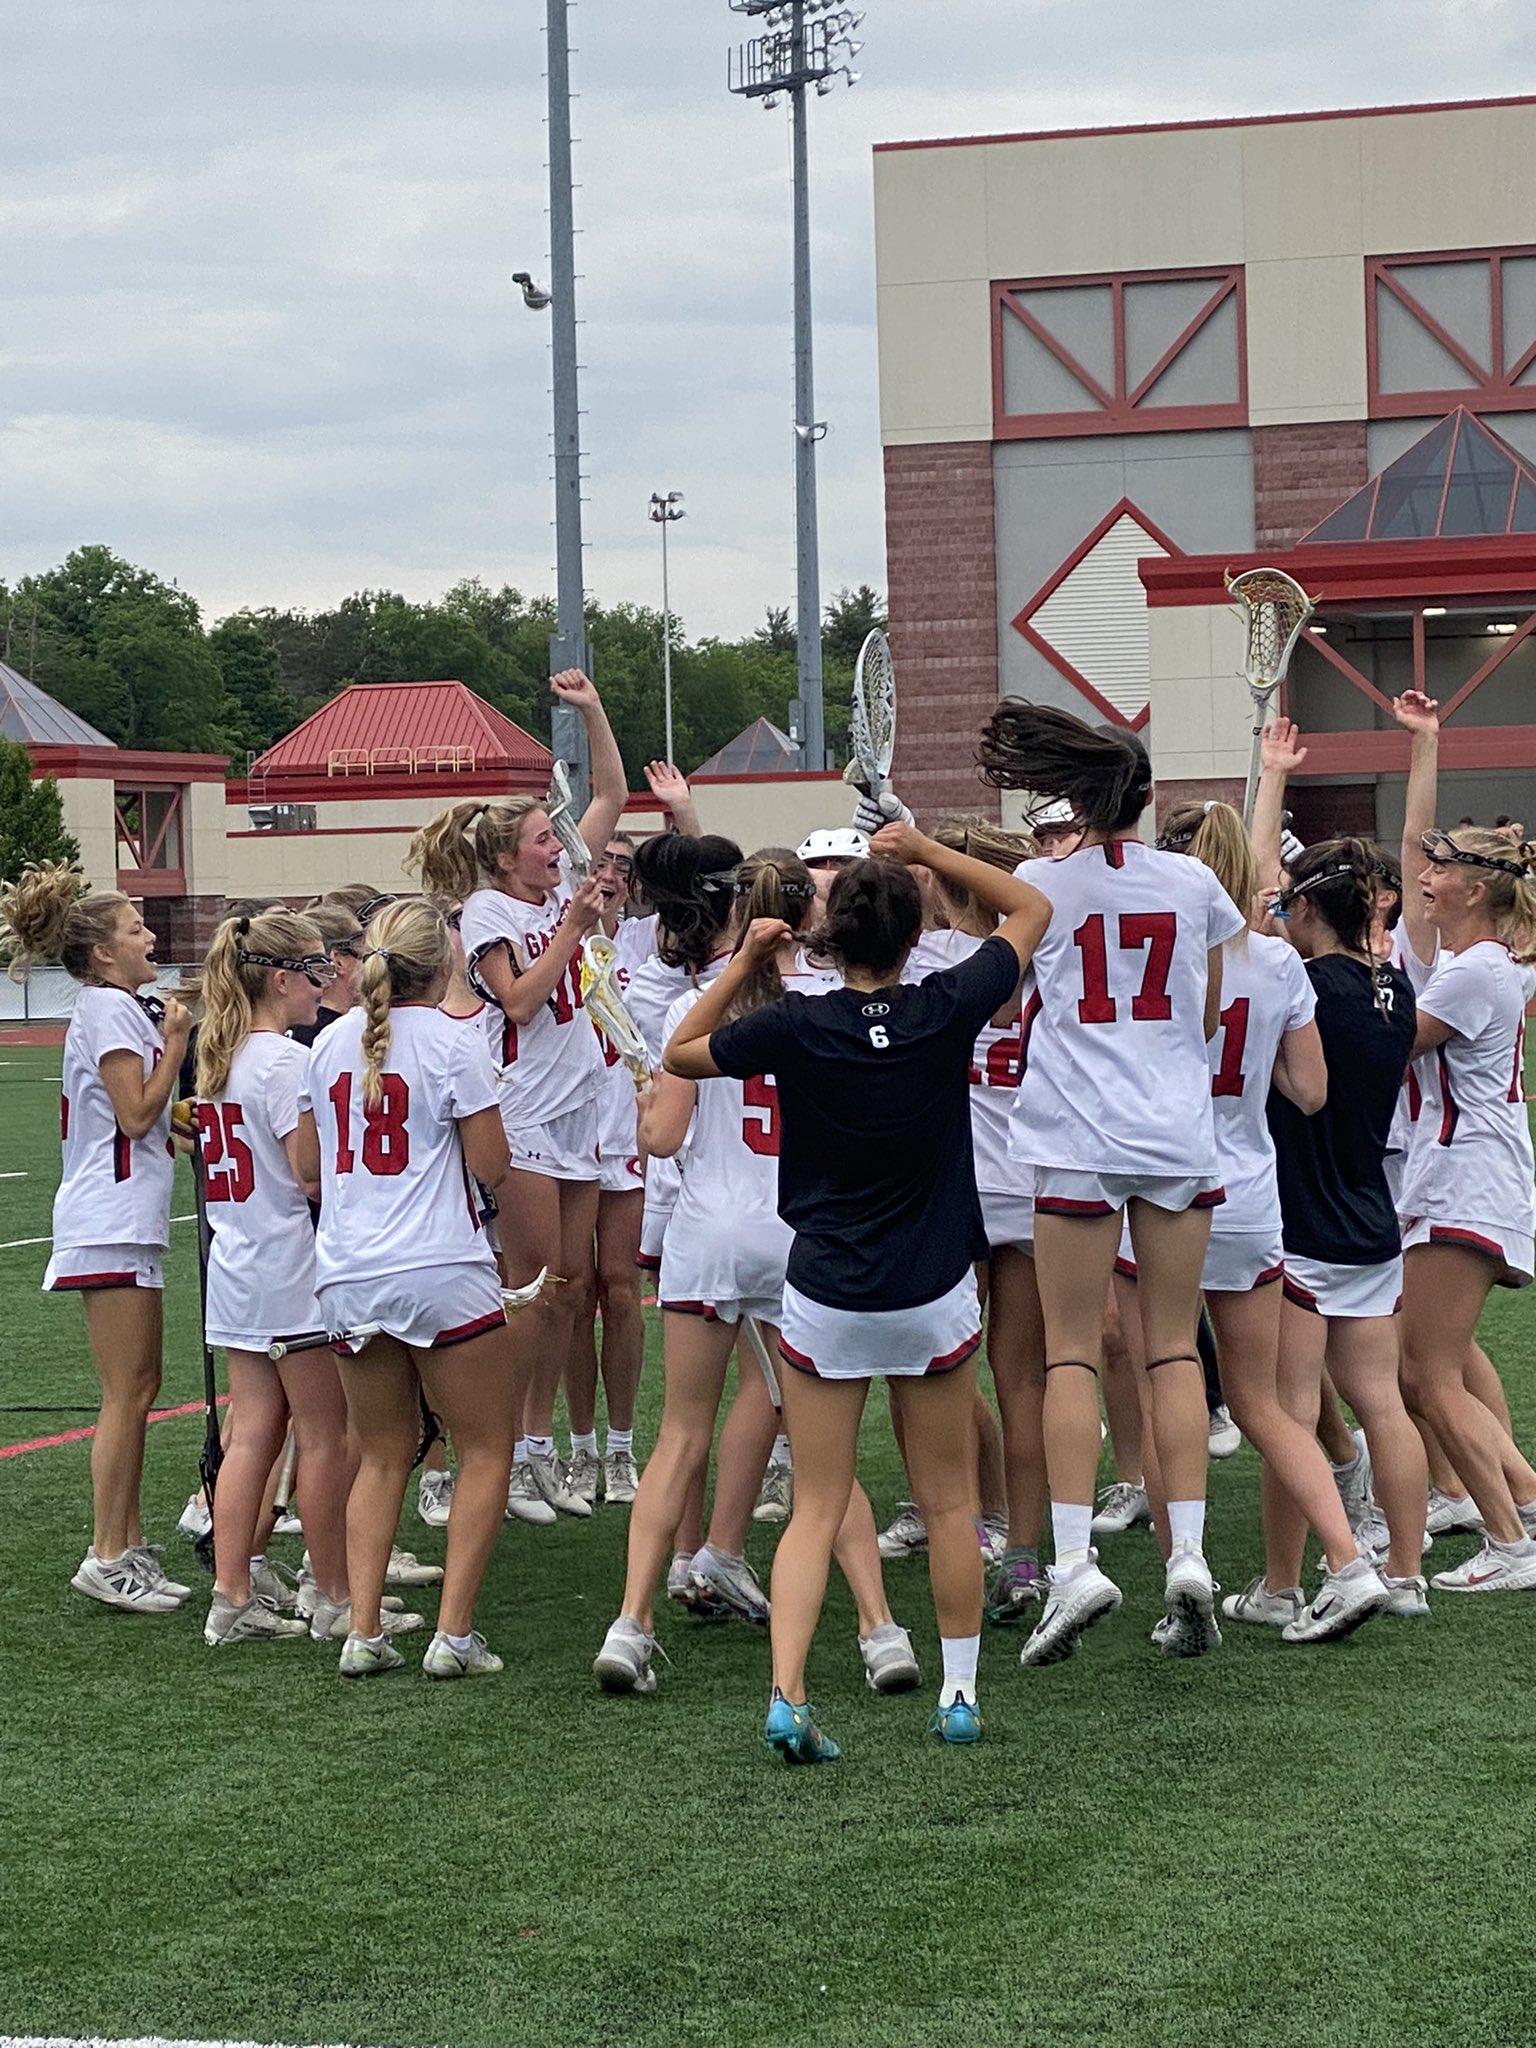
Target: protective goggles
(1441, 849)
(319, 969)
(622, 864)
(370, 910)
(1280, 905)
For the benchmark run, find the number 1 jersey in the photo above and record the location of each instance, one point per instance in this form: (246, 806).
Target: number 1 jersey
(1117, 1079)
(395, 1194)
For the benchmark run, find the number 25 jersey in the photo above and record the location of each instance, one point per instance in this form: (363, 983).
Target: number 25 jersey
(1117, 1079)
(395, 1194)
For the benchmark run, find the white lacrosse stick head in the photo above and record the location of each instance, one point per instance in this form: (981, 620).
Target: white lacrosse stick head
(605, 1006)
(563, 819)
(872, 725)
(1275, 610)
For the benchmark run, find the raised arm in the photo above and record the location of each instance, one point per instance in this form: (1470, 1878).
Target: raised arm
(521, 995)
(1280, 756)
(610, 785)
(1024, 910)
(1419, 716)
(687, 1050)
(670, 788)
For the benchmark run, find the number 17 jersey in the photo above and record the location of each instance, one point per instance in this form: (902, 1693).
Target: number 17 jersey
(1117, 1079)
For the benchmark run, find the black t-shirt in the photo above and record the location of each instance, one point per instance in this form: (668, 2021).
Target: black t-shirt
(876, 1177)
(306, 1034)
(1334, 1200)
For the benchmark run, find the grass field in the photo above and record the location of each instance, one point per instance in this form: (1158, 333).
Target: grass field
(1271, 1846)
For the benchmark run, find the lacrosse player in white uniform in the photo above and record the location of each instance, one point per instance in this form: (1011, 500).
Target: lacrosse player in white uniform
(1114, 1112)
(111, 1215)
(400, 1119)
(263, 976)
(523, 922)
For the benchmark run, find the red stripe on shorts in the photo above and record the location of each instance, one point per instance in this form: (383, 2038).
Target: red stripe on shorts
(1299, 1296)
(462, 1332)
(1448, 1233)
(82, 1283)
(1062, 1205)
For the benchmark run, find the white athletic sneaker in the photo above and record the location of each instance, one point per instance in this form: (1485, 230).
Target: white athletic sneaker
(1257, 1603)
(524, 1501)
(678, 1576)
(287, 1524)
(623, 1664)
(255, 1622)
(1374, 1538)
(147, 1557)
(442, 1660)
(1448, 1514)
(1496, 1568)
(907, 1535)
(1077, 1599)
(1354, 1481)
(992, 1535)
(550, 1481)
(119, 1582)
(406, 1569)
(620, 1479)
(1527, 1515)
(582, 1475)
(277, 1584)
(776, 1496)
(195, 1520)
(330, 1621)
(1342, 1603)
(732, 1580)
(1226, 1439)
(434, 1497)
(1121, 1507)
(1407, 1598)
(362, 1659)
(890, 1662)
(1189, 1598)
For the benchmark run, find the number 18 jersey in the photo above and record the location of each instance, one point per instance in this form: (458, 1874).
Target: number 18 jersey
(1117, 1080)
(395, 1194)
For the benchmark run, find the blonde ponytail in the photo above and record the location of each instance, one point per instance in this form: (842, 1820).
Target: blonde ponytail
(234, 981)
(457, 852)
(978, 839)
(1511, 898)
(407, 949)
(772, 882)
(46, 915)
(1214, 834)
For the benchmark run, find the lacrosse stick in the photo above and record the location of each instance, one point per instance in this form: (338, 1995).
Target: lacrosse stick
(759, 1350)
(525, 1297)
(605, 1006)
(1275, 609)
(212, 1455)
(563, 819)
(872, 728)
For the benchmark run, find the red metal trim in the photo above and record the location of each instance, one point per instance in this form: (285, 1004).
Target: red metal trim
(172, 816)
(729, 781)
(1381, 752)
(1506, 647)
(1084, 548)
(433, 790)
(1450, 464)
(1381, 267)
(143, 882)
(1419, 667)
(1123, 412)
(1495, 388)
(1194, 127)
(121, 764)
(1360, 571)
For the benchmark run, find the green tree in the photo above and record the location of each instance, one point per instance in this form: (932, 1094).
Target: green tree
(848, 622)
(250, 670)
(31, 815)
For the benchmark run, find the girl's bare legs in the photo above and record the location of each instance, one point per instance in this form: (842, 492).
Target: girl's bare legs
(1363, 1363)
(858, 1557)
(580, 1378)
(1016, 1353)
(469, 1386)
(1333, 1431)
(1074, 1259)
(1170, 1253)
(125, 1326)
(822, 1418)
(937, 1409)
(260, 1423)
(741, 1456)
(1299, 1385)
(619, 1217)
(323, 1474)
(1132, 1372)
(991, 1479)
(1122, 1395)
(696, 1354)
(384, 1410)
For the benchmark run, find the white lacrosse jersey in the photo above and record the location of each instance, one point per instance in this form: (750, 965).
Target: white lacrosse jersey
(996, 1066)
(635, 941)
(1470, 1159)
(1116, 1080)
(261, 1264)
(550, 1065)
(726, 1241)
(1265, 992)
(1410, 1097)
(654, 987)
(617, 1103)
(115, 1189)
(395, 1193)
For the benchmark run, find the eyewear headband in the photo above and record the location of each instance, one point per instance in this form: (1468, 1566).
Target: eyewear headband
(1442, 850)
(318, 968)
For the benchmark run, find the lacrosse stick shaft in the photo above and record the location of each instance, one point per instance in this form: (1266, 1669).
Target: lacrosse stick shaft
(1263, 700)
(759, 1351)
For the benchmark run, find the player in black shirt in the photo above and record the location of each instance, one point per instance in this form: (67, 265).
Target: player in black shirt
(1343, 1254)
(343, 937)
(876, 1179)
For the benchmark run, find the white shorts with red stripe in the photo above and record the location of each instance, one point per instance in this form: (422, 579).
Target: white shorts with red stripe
(91, 1268)
(428, 1308)
(563, 1149)
(1063, 1191)
(1236, 1261)
(1346, 1291)
(620, 1174)
(763, 1308)
(1510, 1249)
(1009, 1219)
(899, 1343)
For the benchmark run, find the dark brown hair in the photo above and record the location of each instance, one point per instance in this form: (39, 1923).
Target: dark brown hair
(1102, 770)
(874, 916)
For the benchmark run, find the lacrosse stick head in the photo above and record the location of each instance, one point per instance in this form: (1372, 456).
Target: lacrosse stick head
(1275, 609)
(605, 1006)
(562, 817)
(872, 727)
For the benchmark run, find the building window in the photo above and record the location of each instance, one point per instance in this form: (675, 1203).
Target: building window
(148, 830)
(1457, 327)
(1140, 352)
(1089, 619)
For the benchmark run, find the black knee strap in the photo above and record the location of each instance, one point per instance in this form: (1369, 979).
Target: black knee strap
(1086, 1364)
(1173, 1358)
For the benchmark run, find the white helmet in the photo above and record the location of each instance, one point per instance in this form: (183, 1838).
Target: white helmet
(841, 843)
(1056, 816)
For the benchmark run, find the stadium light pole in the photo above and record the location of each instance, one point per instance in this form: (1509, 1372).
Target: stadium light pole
(806, 43)
(568, 646)
(665, 511)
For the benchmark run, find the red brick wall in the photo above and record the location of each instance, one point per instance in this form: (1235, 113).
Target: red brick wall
(941, 565)
(184, 925)
(1219, 789)
(1300, 474)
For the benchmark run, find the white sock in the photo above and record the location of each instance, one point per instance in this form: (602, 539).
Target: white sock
(459, 1643)
(540, 1446)
(258, 1562)
(520, 1451)
(1349, 1464)
(1072, 1530)
(780, 1454)
(586, 1441)
(1186, 1522)
(1523, 1546)
(620, 1440)
(960, 1655)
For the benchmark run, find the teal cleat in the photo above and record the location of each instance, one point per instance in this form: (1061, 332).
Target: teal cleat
(792, 1731)
(958, 1722)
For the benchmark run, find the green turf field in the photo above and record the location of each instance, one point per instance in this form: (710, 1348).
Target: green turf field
(1271, 1847)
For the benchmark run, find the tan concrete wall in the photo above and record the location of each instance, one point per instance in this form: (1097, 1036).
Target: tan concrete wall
(1201, 720)
(90, 818)
(204, 849)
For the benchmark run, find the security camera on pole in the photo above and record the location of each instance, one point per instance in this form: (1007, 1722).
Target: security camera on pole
(807, 43)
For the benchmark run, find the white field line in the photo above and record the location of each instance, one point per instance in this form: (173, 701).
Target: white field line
(16, 1245)
(12, 1176)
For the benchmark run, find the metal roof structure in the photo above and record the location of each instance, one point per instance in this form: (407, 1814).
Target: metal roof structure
(1460, 481)
(30, 715)
(403, 729)
(761, 750)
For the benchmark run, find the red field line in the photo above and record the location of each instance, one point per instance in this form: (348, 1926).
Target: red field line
(32, 1034)
(75, 1436)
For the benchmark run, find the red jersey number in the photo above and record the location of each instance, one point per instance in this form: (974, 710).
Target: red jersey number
(1005, 1059)
(1228, 1078)
(760, 1132)
(386, 1133)
(1152, 931)
(566, 995)
(229, 1170)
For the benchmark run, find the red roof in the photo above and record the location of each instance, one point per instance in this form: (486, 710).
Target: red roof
(398, 729)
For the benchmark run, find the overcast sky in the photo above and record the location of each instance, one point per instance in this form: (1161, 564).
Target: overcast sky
(257, 332)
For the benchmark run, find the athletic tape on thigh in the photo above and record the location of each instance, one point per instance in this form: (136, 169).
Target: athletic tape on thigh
(1173, 1358)
(1087, 1364)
